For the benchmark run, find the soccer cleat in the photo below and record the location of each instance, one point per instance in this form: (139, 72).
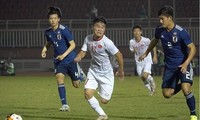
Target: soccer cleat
(193, 117)
(102, 117)
(65, 108)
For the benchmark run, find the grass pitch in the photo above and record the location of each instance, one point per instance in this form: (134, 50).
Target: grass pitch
(36, 98)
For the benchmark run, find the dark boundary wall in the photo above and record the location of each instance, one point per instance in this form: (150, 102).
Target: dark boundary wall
(35, 53)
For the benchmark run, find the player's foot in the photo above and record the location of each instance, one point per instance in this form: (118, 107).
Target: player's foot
(102, 117)
(65, 108)
(193, 117)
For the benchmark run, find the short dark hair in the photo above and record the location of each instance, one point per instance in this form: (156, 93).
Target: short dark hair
(166, 11)
(54, 10)
(100, 19)
(137, 26)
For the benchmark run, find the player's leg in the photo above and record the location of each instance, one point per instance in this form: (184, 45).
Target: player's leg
(169, 82)
(94, 103)
(147, 76)
(73, 73)
(90, 87)
(187, 91)
(106, 86)
(60, 71)
(139, 69)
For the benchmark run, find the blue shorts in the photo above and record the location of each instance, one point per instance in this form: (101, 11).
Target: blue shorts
(70, 69)
(172, 76)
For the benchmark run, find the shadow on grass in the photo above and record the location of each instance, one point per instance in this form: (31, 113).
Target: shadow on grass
(134, 117)
(71, 117)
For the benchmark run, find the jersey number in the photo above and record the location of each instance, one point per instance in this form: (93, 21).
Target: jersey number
(55, 44)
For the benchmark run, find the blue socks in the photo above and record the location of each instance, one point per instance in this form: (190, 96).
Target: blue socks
(191, 103)
(62, 93)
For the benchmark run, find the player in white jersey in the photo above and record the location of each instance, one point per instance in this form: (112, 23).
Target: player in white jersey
(138, 46)
(100, 74)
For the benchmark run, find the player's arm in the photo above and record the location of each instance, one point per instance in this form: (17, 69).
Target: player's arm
(45, 48)
(131, 48)
(72, 46)
(152, 44)
(155, 60)
(120, 60)
(80, 55)
(192, 52)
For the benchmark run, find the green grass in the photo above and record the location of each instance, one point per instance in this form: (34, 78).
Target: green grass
(36, 98)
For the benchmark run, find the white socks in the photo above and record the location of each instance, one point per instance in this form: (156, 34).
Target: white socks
(149, 78)
(147, 85)
(94, 103)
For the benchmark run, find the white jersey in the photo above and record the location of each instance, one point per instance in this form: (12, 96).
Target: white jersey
(139, 48)
(100, 51)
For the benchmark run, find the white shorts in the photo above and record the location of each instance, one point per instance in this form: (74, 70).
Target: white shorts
(143, 67)
(104, 82)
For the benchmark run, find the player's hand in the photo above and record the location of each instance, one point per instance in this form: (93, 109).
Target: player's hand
(141, 58)
(120, 74)
(43, 54)
(60, 57)
(183, 68)
(77, 59)
(135, 50)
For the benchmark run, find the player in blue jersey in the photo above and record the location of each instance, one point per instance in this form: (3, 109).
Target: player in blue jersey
(63, 43)
(179, 50)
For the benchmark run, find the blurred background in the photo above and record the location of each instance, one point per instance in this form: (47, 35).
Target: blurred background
(23, 22)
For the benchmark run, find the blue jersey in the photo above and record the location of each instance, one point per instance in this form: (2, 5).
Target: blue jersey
(60, 39)
(174, 44)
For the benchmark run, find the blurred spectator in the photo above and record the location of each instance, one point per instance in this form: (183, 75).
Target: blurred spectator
(142, 13)
(195, 66)
(94, 12)
(7, 68)
(159, 67)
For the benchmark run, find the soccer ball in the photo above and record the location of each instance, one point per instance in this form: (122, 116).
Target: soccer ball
(13, 117)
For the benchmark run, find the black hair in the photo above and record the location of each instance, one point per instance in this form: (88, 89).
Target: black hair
(137, 26)
(54, 10)
(166, 11)
(99, 19)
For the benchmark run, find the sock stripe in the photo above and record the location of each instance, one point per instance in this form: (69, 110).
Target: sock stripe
(61, 85)
(189, 96)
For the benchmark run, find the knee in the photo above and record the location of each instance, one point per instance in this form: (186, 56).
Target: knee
(167, 95)
(143, 78)
(88, 95)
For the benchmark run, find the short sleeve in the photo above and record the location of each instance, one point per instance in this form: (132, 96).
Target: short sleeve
(84, 47)
(110, 47)
(185, 37)
(131, 45)
(67, 34)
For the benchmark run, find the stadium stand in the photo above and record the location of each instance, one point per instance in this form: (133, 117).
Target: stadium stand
(22, 23)
(78, 9)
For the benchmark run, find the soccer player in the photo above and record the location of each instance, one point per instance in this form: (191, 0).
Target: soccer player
(138, 45)
(179, 50)
(63, 43)
(100, 74)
